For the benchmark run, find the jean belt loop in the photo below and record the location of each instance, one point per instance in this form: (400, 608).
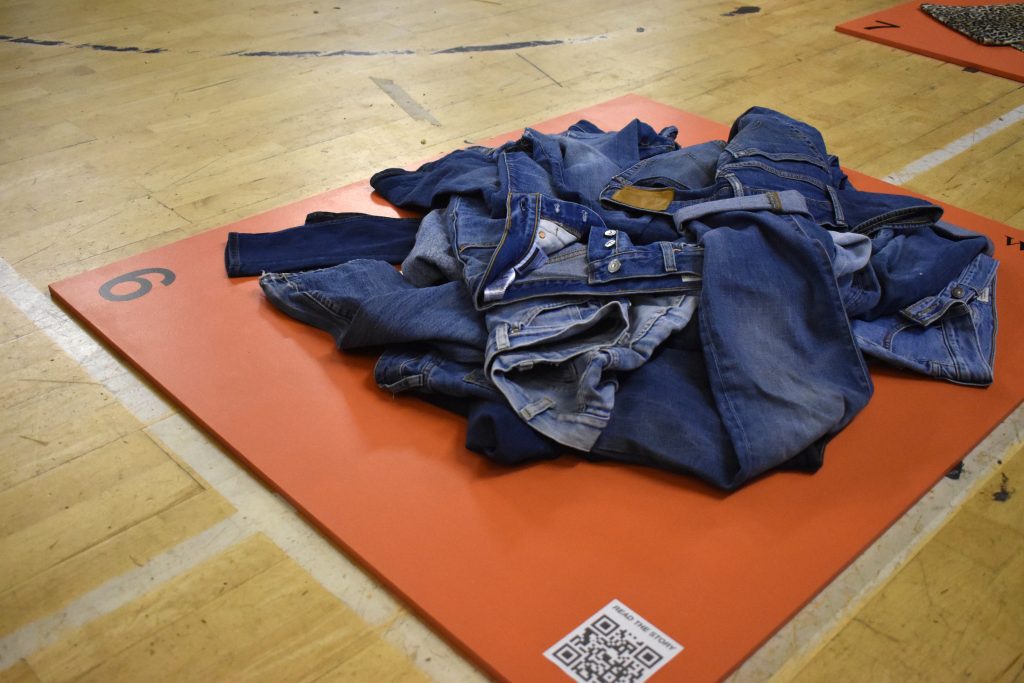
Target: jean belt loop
(501, 339)
(668, 256)
(837, 207)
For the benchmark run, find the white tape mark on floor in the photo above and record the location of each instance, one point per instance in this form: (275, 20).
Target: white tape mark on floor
(259, 510)
(144, 403)
(821, 619)
(958, 146)
(121, 590)
(275, 518)
(404, 100)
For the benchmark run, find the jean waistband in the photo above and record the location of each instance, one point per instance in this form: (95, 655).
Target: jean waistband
(973, 282)
(554, 247)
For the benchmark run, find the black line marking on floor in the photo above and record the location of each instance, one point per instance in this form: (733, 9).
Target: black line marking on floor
(317, 53)
(745, 9)
(115, 48)
(539, 69)
(498, 47)
(303, 54)
(36, 41)
(25, 40)
(204, 87)
(366, 53)
(270, 53)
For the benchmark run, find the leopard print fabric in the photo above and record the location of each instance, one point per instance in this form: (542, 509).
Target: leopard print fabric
(986, 24)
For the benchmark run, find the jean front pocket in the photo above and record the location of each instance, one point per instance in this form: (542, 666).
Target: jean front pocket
(561, 327)
(777, 171)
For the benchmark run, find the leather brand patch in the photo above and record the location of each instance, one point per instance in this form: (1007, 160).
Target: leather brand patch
(641, 198)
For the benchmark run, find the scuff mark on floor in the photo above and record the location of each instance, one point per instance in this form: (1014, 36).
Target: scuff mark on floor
(1004, 493)
(745, 9)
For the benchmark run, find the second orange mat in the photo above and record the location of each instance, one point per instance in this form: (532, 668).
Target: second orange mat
(906, 27)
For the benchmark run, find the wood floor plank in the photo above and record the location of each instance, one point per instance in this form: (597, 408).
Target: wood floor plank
(19, 673)
(54, 427)
(13, 326)
(51, 589)
(954, 612)
(379, 662)
(1002, 499)
(108, 637)
(977, 179)
(226, 635)
(271, 622)
(30, 367)
(143, 482)
(77, 482)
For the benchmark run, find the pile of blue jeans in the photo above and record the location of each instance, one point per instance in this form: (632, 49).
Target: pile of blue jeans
(706, 310)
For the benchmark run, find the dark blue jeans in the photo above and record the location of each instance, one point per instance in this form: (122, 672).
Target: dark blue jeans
(326, 239)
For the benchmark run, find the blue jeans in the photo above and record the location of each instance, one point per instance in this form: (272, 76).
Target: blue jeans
(573, 280)
(326, 239)
(366, 303)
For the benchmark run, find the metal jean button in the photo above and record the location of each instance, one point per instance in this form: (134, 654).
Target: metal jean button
(614, 265)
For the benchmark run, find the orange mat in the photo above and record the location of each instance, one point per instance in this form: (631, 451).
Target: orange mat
(507, 562)
(908, 28)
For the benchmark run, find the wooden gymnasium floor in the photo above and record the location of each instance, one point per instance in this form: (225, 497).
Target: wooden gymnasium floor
(132, 549)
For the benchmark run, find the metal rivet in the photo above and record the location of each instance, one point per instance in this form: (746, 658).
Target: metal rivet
(609, 244)
(542, 234)
(614, 265)
(609, 233)
(957, 292)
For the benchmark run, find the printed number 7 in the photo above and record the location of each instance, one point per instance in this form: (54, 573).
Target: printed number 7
(881, 24)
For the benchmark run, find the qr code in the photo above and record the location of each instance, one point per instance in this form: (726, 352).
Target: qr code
(613, 646)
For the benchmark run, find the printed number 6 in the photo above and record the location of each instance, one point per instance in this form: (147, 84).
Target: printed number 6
(138, 278)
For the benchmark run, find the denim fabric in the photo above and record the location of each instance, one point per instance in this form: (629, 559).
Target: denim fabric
(493, 429)
(547, 247)
(556, 359)
(575, 161)
(914, 254)
(326, 239)
(685, 435)
(432, 261)
(496, 432)
(573, 166)
(778, 346)
(421, 369)
(947, 335)
(557, 362)
(575, 281)
(368, 303)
